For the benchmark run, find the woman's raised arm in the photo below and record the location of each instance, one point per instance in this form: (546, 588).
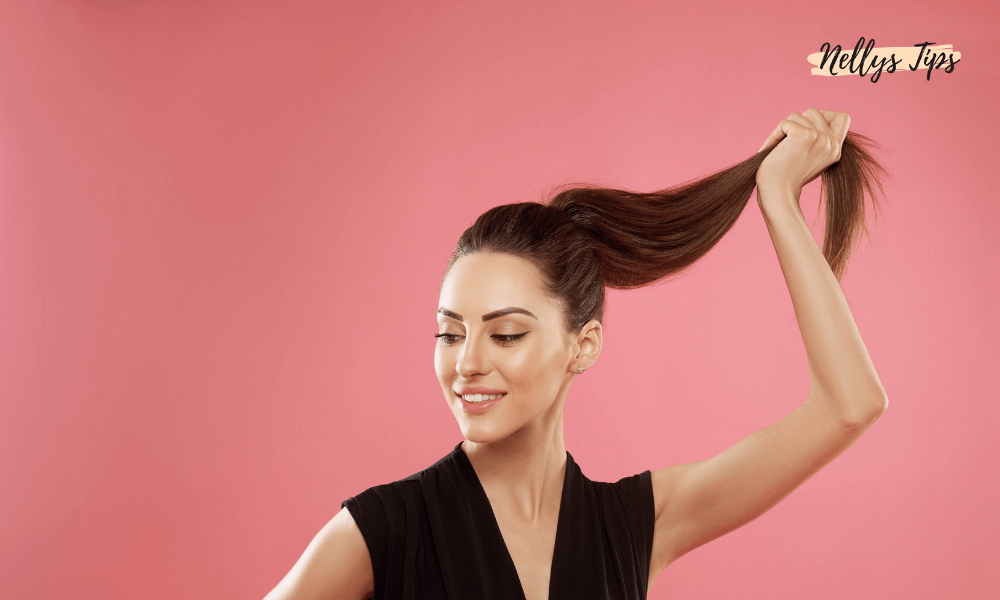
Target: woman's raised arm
(336, 564)
(700, 501)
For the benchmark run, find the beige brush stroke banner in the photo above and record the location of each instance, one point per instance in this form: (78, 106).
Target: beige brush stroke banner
(904, 57)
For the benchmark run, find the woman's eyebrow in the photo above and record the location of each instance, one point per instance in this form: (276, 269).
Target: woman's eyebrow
(488, 316)
(507, 311)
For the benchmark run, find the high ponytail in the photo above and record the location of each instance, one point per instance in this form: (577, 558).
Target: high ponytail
(587, 238)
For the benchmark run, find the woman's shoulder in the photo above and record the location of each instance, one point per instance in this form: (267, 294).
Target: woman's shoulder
(394, 496)
(384, 498)
(638, 484)
(629, 498)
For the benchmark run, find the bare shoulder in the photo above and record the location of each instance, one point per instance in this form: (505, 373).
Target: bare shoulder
(336, 564)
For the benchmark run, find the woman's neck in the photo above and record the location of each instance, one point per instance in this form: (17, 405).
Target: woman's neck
(525, 470)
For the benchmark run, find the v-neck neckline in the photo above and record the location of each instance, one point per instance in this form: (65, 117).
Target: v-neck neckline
(480, 492)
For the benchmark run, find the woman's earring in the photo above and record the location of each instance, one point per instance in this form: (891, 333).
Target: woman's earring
(580, 369)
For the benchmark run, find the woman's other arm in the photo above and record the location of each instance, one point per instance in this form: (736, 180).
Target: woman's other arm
(700, 501)
(335, 565)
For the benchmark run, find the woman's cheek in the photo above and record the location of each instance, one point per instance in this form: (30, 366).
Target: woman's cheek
(438, 363)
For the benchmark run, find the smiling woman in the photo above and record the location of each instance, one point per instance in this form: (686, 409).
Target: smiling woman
(508, 514)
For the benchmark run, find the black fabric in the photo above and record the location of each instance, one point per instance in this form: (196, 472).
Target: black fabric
(434, 535)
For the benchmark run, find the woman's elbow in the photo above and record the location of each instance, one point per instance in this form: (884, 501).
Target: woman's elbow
(863, 414)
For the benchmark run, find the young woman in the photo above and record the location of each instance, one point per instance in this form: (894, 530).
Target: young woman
(508, 514)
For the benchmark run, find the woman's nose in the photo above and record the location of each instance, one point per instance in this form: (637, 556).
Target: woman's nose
(470, 360)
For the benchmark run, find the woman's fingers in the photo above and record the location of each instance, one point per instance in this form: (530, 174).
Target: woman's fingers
(829, 122)
(822, 127)
(774, 138)
(783, 128)
(819, 121)
(839, 123)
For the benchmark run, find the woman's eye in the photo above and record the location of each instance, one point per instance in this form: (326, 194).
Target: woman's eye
(447, 338)
(509, 339)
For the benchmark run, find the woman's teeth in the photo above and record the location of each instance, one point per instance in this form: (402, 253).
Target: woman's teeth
(480, 397)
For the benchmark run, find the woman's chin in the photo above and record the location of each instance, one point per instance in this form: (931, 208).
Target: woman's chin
(480, 433)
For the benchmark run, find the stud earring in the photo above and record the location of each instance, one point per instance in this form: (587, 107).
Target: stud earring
(580, 369)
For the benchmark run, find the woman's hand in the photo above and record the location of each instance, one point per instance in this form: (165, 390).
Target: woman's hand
(807, 144)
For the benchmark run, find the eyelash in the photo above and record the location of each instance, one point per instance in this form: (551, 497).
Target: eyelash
(504, 340)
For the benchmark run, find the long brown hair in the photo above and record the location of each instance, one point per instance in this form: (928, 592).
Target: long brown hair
(586, 238)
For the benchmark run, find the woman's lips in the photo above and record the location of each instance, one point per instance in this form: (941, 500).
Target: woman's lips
(477, 408)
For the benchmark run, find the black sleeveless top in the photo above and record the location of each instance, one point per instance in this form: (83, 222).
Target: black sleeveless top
(434, 535)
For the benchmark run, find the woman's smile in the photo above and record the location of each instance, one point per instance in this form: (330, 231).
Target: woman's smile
(478, 393)
(478, 407)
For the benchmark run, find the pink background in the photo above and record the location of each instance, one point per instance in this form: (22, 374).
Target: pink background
(223, 225)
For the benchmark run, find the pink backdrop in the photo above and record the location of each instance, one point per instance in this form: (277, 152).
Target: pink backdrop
(223, 225)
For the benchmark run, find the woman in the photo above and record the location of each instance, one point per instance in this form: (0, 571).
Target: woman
(508, 513)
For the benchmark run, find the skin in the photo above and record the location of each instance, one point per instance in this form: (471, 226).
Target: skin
(517, 447)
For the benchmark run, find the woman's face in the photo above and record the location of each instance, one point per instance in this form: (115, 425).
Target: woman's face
(501, 335)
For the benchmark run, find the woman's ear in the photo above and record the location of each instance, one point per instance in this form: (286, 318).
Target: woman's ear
(589, 342)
